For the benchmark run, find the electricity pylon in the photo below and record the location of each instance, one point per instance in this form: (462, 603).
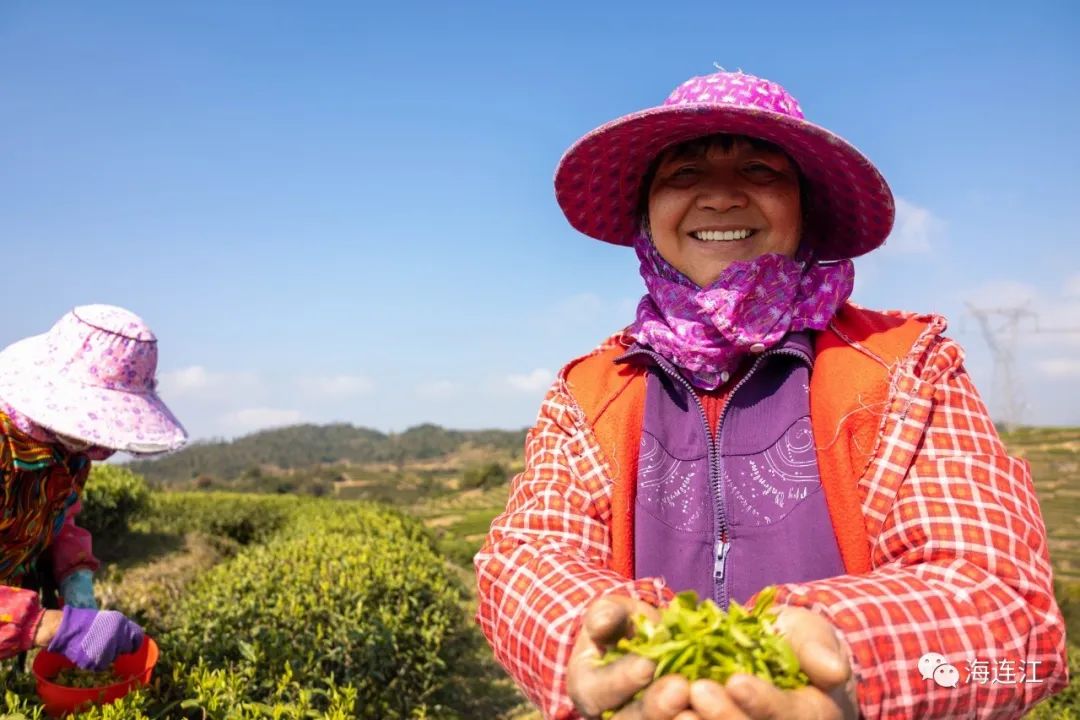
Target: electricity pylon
(1002, 340)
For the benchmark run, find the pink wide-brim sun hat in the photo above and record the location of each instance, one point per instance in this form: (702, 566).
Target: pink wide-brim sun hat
(92, 377)
(598, 183)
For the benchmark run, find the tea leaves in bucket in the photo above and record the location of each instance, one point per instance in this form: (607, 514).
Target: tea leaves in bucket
(86, 679)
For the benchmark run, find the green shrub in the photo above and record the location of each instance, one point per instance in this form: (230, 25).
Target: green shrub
(18, 701)
(353, 594)
(1066, 704)
(459, 550)
(487, 475)
(112, 498)
(242, 518)
(339, 610)
(222, 694)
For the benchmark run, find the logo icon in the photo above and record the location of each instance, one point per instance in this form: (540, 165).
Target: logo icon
(933, 666)
(946, 676)
(928, 663)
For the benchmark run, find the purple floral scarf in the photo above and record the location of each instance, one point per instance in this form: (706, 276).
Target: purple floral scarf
(749, 308)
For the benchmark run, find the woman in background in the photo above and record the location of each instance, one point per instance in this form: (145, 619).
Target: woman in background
(69, 397)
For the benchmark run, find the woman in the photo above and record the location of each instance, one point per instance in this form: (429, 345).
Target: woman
(73, 395)
(752, 427)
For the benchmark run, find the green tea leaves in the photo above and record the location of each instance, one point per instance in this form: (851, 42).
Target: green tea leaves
(86, 679)
(698, 640)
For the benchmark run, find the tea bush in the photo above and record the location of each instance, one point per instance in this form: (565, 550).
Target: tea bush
(347, 592)
(112, 498)
(334, 610)
(17, 698)
(244, 519)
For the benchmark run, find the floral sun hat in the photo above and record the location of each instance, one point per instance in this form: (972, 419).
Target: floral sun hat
(92, 378)
(598, 181)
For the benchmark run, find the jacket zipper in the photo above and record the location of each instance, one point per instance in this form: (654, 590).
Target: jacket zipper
(723, 543)
(720, 575)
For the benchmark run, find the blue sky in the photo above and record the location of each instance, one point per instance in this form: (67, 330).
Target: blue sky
(344, 211)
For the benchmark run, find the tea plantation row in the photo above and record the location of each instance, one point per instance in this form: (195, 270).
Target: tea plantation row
(324, 608)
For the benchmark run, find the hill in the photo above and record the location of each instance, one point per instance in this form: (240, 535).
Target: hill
(432, 462)
(307, 447)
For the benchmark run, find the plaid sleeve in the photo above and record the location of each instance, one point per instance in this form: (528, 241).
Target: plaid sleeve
(960, 563)
(546, 557)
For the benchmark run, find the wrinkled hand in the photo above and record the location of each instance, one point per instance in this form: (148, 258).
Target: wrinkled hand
(829, 696)
(595, 689)
(92, 639)
(77, 589)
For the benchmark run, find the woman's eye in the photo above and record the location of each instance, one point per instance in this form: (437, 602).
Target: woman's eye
(681, 173)
(760, 170)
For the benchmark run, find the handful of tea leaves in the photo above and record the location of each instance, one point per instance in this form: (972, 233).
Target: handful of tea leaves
(699, 640)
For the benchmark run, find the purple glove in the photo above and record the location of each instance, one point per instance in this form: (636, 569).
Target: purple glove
(92, 639)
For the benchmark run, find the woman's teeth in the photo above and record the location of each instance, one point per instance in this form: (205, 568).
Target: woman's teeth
(710, 235)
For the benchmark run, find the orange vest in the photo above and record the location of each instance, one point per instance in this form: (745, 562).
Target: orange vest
(849, 393)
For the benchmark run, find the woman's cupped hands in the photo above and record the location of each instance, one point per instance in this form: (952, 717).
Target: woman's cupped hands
(596, 689)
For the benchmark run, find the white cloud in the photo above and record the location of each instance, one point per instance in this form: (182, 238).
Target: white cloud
(584, 305)
(249, 420)
(1060, 367)
(534, 382)
(627, 309)
(581, 312)
(189, 378)
(595, 315)
(439, 390)
(574, 324)
(337, 385)
(916, 229)
(196, 379)
(1072, 286)
(1003, 294)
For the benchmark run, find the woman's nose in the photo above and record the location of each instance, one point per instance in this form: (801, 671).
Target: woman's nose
(721, 194)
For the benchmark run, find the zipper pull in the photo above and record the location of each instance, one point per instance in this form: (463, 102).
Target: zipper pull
(721, 556)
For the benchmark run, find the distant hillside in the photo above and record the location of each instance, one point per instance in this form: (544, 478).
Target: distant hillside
(307, 446)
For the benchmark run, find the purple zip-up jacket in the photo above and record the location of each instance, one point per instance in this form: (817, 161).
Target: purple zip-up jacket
(730, 514)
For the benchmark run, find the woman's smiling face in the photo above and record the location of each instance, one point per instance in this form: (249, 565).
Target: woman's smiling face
(721, 199)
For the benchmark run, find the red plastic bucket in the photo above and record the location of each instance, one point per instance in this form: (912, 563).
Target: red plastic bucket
(136, 669)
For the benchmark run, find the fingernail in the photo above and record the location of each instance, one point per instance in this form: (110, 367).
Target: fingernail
(739, 692)
(643, 670)
(828, 658)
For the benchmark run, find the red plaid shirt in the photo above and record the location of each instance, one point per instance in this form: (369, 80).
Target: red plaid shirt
(959, 556)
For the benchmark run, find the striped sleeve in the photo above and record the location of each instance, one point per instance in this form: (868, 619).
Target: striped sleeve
(546, 557)
(960, 563)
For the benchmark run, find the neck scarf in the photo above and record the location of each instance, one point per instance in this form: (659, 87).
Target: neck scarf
(705, 332)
